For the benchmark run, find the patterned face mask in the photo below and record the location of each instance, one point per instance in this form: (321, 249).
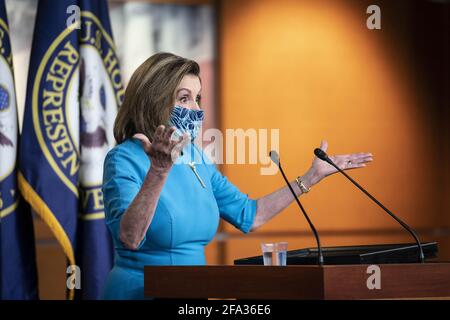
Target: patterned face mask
(187, 120)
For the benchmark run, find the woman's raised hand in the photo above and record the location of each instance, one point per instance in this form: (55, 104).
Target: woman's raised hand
(163, 151)
(320, 169)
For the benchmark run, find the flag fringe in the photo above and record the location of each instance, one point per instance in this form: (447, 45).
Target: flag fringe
(41, 208)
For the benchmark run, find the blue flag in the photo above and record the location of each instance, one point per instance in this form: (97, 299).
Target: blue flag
(74, 90)
(18, 275)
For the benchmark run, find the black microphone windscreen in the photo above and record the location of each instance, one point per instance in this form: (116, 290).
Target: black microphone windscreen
(320, 154)
(274, 157)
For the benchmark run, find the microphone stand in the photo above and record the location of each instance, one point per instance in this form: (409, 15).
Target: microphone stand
(316, 235)
(324, 157)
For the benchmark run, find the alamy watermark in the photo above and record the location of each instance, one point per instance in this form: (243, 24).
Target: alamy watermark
(238, 146)
(73, 21)
(374, 280)
(373, 22)
(74, 277)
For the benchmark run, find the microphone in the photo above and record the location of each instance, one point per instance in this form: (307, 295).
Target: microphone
(276, 159)
(323, 156)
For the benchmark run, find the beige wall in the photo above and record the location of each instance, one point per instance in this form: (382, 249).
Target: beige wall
(313, 70)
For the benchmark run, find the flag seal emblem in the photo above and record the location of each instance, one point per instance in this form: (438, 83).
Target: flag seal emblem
(8, 126)
(64, 80)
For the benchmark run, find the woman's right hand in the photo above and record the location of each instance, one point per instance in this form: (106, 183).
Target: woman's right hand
(162, 151)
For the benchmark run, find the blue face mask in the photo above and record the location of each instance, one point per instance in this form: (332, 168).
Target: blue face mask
(187, 120)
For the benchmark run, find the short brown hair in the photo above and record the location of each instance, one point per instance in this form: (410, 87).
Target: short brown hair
(150, 95)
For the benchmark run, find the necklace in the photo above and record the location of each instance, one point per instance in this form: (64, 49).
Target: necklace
(194, 170)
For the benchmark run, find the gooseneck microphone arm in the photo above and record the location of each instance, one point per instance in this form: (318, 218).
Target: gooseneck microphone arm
(276, 160)
(323, 156)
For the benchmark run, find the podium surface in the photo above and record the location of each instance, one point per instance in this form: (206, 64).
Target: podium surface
(329, 282)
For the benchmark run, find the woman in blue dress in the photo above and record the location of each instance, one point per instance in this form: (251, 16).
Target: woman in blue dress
(163, 198)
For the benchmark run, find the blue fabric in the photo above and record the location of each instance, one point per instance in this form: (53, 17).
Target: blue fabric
(53, 165)
(187, 120)
(186, 217)
(18, 273)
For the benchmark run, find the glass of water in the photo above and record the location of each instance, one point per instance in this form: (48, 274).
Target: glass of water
(274, 254)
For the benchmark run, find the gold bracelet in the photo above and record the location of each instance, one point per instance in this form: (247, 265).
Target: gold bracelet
(301, 185)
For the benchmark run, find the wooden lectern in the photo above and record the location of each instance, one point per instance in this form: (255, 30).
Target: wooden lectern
(329, 282)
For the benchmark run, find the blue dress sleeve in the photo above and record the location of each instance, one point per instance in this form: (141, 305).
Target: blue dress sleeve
(122, 179)
(234, 206)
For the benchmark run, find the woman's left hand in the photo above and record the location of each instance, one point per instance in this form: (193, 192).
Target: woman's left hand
(321, 169)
